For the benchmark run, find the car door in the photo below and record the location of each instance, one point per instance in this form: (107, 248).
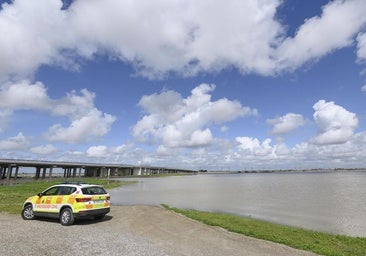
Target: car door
(46, 202)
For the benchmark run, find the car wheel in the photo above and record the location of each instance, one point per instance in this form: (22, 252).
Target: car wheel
(27, 212)
(66, 217)
(99, 217)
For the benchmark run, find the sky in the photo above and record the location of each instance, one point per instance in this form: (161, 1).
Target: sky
(194, 84)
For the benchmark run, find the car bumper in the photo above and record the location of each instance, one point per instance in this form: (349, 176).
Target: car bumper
(92, 213)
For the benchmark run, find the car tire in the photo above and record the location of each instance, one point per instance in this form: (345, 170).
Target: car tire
(27, 212)
(66, 217)
(99, 217)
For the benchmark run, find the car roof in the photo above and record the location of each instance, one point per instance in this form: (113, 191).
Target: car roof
(78, 184)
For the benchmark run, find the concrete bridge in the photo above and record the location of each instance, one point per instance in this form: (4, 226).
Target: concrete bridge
(9, 168)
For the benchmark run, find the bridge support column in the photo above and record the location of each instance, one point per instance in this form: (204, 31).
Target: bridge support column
(3, 174)
(38, 172)
(10, 170)
(16, 172)
(44, 172)
(50, 173)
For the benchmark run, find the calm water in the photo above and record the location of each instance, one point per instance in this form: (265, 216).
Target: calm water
(328, 201)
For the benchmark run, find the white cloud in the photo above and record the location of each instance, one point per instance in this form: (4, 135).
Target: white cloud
(335, 124)
(23, 95)
(178, 122)
(91, 125)
(73, 104)
(86, 121)
(363, 88)
(248, 153)
(184, 37)
(18, 142)
(286, 123)
(316, 37)
(361, 47)
(97, 151)
(254, 147)
(36, 32)
(44, 149)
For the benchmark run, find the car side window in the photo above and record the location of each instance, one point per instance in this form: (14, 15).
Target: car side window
(51, 191)
(66, 190)
(71, 190)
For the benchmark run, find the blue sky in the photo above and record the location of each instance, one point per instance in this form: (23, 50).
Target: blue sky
(218, 85)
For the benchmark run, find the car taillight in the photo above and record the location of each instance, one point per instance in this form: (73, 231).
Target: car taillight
(83, 199)
(108, 198)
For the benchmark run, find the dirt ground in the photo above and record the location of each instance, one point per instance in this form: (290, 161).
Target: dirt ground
(129, 230)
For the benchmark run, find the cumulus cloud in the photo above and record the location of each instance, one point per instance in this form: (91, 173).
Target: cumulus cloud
(97, 151)
(23, 95)
(36, 32)
(316, 37)
(86, 121)
(363, 88)
(115, 153)
(74, 104)
(286, 123)
(361, 47)
(184, 122)
(94, 124)
(18, 142)
(184, 37)
(253, 145)
(44, 149)
(335, 124)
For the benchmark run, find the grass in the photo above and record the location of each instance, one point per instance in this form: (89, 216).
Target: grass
(317, 242)
(12, 197)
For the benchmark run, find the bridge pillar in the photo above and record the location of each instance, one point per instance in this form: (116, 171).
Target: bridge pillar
(44, 172)
(16, 172)
(10, 170)
(50, 173)
(3, 170)
(38, 172)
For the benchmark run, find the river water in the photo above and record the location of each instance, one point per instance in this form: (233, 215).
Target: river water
(326, 201)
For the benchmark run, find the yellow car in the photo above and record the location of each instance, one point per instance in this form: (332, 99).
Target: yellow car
(67, 202)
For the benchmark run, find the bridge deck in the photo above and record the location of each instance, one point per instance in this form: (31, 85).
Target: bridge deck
(44, 169)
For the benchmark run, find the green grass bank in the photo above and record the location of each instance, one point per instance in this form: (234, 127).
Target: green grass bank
(317, 242)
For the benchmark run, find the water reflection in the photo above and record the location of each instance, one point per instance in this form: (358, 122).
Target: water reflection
(332, 202)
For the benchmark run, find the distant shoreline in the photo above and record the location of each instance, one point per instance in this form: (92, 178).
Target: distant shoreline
(285, 171)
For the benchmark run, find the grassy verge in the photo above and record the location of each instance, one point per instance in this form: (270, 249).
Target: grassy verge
(12, 197)
(318, 242)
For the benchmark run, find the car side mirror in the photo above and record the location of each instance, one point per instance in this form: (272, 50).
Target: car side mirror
(40, 194)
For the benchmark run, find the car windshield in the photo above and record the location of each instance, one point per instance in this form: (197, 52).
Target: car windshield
(93, 191)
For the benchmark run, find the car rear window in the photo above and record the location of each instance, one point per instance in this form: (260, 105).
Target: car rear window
(93, 191)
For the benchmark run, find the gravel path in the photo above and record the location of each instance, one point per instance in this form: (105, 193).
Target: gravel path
(129, 230)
